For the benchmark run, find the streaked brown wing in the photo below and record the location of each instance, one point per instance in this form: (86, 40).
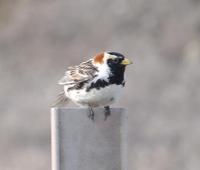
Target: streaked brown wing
(85, 71)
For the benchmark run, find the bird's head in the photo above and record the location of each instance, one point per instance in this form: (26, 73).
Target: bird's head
(113, 59)
(111, 62)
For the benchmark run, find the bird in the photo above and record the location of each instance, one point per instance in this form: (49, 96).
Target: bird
(98, 82)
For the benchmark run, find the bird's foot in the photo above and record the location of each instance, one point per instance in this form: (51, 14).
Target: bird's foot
(91, 114)
(107, 112)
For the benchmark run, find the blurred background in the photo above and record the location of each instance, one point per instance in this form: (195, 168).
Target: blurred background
(40, 39)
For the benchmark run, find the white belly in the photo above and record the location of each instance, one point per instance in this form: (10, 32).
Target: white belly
(102, 97)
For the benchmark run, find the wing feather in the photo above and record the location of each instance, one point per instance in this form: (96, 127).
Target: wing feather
(61, 100)
(77, 74)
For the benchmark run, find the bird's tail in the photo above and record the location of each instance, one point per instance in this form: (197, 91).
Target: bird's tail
(61, 100)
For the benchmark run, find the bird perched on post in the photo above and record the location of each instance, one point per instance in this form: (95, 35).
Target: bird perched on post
(96, 82)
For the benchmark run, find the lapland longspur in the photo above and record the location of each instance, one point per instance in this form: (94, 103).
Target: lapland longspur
(96, 82)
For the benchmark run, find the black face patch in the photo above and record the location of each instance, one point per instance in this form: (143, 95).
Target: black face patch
(116, 61)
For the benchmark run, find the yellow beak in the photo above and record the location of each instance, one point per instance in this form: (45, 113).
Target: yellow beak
(126, 62)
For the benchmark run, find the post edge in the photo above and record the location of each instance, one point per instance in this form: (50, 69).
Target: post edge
(55, 149)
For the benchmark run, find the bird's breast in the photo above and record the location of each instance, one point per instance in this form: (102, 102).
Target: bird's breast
(95, 96)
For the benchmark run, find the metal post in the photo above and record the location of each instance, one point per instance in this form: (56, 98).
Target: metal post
(81, 144)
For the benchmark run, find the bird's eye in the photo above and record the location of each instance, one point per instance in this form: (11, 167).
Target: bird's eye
(116, 60)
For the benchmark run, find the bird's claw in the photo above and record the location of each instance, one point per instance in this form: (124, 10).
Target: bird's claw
(91, 114)
(107, 112)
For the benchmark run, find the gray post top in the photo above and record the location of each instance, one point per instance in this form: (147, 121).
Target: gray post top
(82, 113)
(83, 109)
(78, 143)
